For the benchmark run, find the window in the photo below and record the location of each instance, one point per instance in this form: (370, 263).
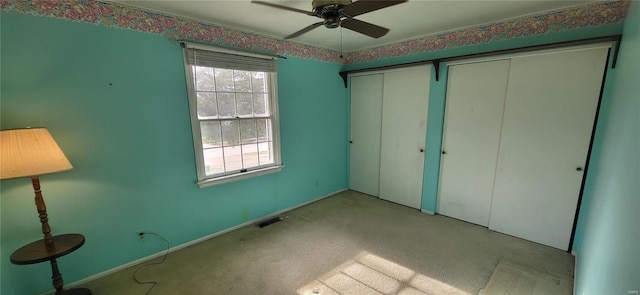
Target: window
(233, 106)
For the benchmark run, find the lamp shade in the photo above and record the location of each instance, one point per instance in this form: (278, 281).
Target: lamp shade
(30, 152)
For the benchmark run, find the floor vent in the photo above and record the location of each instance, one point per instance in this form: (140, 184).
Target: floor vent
(269, 221)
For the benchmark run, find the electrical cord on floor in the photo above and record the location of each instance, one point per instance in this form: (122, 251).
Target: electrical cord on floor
(153, 283)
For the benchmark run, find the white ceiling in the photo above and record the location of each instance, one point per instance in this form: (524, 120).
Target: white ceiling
(405, 21)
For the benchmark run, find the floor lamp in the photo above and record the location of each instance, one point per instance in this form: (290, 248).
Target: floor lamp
(31, 152)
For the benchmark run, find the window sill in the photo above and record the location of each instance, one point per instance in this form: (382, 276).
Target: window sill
(239, 176)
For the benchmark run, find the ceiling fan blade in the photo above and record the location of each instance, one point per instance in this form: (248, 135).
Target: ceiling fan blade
(284, 7)
(307, 29)
(364, 6)
(366, 28)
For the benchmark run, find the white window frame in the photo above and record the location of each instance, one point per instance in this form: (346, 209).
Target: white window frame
(205, 180)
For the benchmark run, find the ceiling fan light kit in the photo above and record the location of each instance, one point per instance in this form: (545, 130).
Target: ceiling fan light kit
(340, 13)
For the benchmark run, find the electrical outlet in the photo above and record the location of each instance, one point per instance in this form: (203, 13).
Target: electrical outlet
(140, 236)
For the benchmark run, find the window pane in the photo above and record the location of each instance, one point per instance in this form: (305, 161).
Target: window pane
(245, 108)
(224, 80)
(232, 108)
(248, 131)
(227, 105)
(204, 78)
(260, 104)
(210, 133)
(258, 82)
(232, 158)
(213, 161)
(242, 81)
(249, 155)
(264, 129)
(265, 152)
(230, 133)
(207, 107)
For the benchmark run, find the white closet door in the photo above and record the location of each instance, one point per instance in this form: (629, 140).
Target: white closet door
(473, 121)
(366, 120)
(548, 120)
(404, 131)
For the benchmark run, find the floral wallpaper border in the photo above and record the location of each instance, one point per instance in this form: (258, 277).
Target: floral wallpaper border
(177, 28)
(114, 15)
(594, 15)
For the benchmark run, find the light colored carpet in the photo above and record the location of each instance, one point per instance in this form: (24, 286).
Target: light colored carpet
(352, 243)
(511, 278)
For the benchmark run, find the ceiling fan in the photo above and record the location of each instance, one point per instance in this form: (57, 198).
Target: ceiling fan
(340, 13)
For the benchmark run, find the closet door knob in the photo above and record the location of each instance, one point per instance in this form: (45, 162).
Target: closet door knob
(578, 169)
(422, 150)
(444, 153)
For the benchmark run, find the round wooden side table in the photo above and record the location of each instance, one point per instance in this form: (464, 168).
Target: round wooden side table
(39, 251)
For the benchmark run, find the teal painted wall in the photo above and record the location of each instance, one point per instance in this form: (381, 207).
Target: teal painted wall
(437, 91)
(115, 100)
(608, 236)
(435, 122)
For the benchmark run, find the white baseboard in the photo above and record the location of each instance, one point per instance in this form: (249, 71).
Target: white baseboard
(427, 212)
(187, 244)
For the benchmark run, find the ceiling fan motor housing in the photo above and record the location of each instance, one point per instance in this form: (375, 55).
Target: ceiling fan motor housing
(332, 22)
(317, 4)
(330, 11)
(340, 13)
